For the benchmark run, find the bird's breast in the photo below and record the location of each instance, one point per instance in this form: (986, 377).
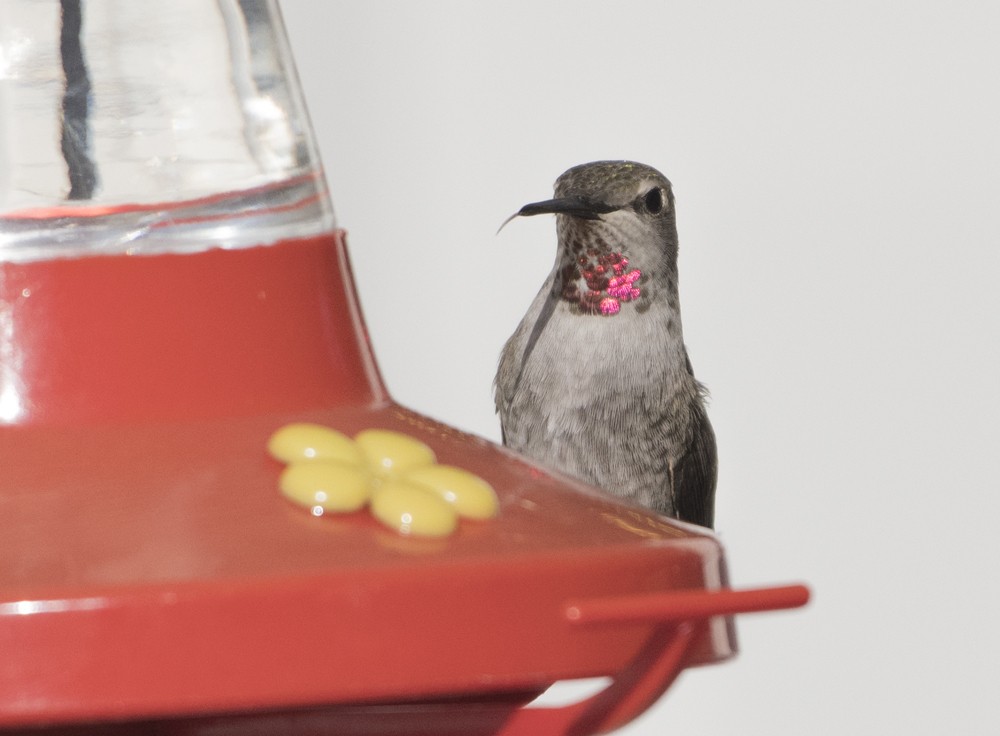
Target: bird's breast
(594, 363)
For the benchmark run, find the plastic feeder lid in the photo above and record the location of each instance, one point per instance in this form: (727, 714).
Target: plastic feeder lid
(150, 568)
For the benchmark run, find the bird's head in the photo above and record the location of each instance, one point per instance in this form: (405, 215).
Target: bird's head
(617, 234)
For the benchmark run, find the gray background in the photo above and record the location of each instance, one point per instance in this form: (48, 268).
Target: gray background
(837, 171)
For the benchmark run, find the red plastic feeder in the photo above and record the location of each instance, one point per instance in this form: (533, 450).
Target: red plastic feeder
(152, 577)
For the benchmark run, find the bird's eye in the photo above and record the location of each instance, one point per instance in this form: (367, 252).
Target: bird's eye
(653, 201)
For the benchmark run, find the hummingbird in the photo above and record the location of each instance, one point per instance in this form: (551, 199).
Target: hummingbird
(596, 382)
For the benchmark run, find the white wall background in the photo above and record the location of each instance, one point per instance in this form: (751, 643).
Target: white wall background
(837, 171)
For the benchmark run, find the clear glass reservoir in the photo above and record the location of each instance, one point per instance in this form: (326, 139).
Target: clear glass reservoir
(132, 127)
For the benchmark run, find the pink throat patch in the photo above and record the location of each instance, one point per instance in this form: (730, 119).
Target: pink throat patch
(599, 282)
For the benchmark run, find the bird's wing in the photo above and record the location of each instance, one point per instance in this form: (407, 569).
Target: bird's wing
(518, 349)
(694, 474)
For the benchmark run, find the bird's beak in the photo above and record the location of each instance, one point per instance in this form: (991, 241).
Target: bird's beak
(572, 206)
